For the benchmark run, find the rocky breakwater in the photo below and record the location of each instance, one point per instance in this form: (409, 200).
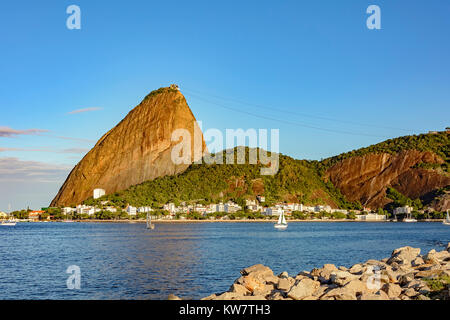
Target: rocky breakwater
(405, 275)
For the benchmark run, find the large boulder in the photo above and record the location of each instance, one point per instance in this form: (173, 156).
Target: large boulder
(379, 295)
(339, 294)
(257, 270)
(417, 262)
(228, 296)
(240, 289)
(342, 277)
(431, 257)
(253, 284)
(357, 287)
(356, 269)
(303, 288)
(284, 284)
(392, 290)
(429, 273)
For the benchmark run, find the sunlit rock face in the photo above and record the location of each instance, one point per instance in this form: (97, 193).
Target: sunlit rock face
(138, 149)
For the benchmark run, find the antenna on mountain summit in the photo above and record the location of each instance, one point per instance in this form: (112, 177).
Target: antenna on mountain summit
(174, 86)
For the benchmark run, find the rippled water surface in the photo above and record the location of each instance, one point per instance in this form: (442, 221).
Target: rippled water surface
(192, 260)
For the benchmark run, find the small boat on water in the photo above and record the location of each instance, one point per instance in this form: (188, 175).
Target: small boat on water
(149, 222)
(281, 224)
(9, 223)
(447, 220)
(409, 218)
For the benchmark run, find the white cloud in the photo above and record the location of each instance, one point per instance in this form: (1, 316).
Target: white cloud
(84, 110)
(14, 170)
(9, 132)
(70, 150)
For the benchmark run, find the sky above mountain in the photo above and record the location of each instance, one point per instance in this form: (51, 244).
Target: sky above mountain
(309, 68)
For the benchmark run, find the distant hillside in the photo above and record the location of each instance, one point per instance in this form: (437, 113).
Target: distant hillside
(437, 143)
(414, 166)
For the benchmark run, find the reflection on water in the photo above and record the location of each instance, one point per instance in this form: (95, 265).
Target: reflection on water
(127, 261)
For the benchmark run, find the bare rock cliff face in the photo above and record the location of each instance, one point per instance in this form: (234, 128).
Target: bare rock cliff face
(136, 150)
(365, 178)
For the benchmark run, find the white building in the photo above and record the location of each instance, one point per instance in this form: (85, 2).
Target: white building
(68, 210)
(403, 210)
(211, 208)
(111, 209)
(371, 217)
(99, 193)
(200, 209)
(144, 209)
(169, 207)
(131, 210)
(319, 208)
(339, 210)
(220, 207)
(84, 209)
(231, 207)
(274, 211)
(293, 207)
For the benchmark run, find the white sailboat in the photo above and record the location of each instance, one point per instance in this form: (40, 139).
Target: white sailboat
(409, 218)
(447, 220)
(281, 224)
(8, 223)
(149, 222)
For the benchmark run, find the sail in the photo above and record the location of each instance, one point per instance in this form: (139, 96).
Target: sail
(280, 218)
(283, 221)
(448, 217)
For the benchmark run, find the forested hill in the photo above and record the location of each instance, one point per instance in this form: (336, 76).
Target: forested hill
(416, 166)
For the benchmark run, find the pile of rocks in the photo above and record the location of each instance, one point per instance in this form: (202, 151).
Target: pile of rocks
(403, 276)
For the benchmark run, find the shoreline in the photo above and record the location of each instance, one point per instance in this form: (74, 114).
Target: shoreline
(405, 275)
(224, 221)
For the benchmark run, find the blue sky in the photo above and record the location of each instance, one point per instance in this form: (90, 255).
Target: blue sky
(309, 68)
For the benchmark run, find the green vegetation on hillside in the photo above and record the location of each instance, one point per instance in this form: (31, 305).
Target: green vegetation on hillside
(400, 200)
(203, 183)
(159, 91)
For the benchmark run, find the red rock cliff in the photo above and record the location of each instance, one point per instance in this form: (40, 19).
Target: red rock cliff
(365, 178)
